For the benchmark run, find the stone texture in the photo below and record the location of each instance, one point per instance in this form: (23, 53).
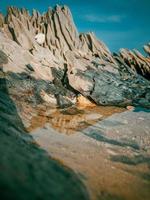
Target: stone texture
(136, 61)
(40, 38)
(3, 58)
(147, 48)
(27, 171)
(63, 68)
(51, 44)
(1, 20)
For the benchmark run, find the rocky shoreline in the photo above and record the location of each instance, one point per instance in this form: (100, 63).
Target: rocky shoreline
(64, 126)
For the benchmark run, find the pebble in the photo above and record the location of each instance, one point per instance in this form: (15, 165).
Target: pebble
(131, 108)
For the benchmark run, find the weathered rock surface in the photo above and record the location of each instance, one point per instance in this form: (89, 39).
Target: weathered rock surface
(48, 47)
(45, 61)
(28, 172)
(108, 153)
(3, 58)
(136, 61)
(147, 48)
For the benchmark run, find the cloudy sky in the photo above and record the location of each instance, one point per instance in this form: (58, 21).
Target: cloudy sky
(119, 23)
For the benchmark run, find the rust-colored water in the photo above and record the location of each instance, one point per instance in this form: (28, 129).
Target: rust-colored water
(71, 119)
(91, 159)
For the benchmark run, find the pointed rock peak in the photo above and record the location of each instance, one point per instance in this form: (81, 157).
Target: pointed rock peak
(137, 53)
(62, 8)
(58, 7)
(24, 11)
(13, 10)
(35, 13)
(147, 48)
(122, 50)
(9, 10)
(49, 10)
(1, 20)
(66, 9)
(92, 34)
(17, 12)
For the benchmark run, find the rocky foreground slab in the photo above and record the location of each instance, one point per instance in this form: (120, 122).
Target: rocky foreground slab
(111, 156)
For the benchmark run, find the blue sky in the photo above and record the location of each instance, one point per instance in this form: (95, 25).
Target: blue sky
(118, 23)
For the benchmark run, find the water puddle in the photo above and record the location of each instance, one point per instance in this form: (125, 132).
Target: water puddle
(72, 119)
(109, 168)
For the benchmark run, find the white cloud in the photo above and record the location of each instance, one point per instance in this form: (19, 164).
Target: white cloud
(103, 18)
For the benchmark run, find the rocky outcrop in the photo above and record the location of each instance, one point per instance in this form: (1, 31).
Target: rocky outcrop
(47, 47)
(33, 165)
(3, 58)
(1, 20)
(147, 48)
(45, 63)
(136, 61)
(28, 172)
(58, 35)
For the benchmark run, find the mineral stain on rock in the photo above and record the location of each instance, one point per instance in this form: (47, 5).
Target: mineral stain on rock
(73, 119)
(28, 172)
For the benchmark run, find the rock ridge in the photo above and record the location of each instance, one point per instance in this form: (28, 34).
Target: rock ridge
(49, 43)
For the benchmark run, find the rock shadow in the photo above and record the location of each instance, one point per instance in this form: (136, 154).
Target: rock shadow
(136, 160)
(26, 171)
(141, 109)
(104, 195)
(97, 135)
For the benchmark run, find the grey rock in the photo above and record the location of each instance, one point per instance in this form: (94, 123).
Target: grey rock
(73, 63)
(30, 67)
(3, 58)
(1, 20)
(28, 172)
(136, 61)
(63, 102)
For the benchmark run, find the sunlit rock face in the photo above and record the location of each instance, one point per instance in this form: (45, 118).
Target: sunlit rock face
(48, 47)
(24, 166)
(51, 80)
(136, 61)
(40, 38)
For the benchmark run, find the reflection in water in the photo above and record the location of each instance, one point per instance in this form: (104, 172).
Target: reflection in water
(72, 119)
(27, 172)
(105, 163)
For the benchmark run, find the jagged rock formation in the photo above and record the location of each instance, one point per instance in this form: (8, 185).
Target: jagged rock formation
(136, 61)
(28, 172)
(71, 63)
(147, 48)
(45, 63)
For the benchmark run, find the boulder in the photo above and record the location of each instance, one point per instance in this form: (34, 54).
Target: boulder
(40, 38)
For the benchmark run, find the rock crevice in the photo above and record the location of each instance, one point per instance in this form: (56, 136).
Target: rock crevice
(50, 41)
